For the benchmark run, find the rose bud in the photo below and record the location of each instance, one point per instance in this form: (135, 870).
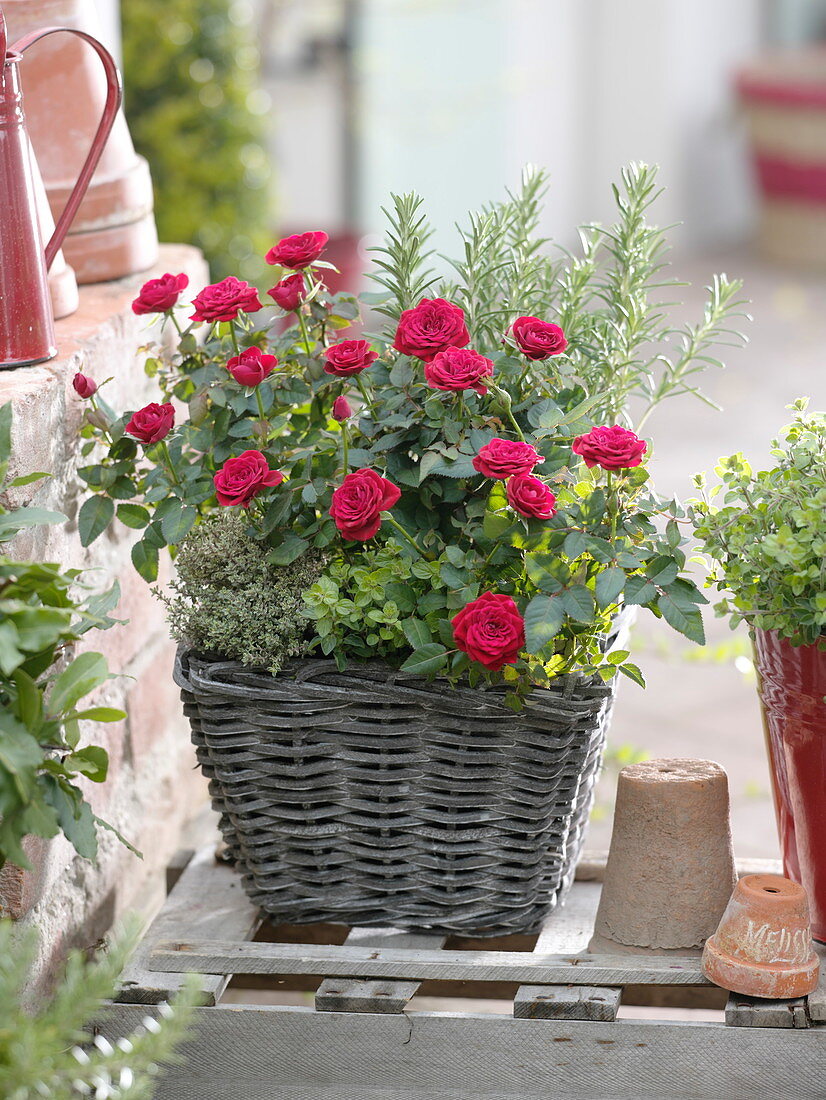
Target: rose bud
(341, 409)
(251, 366)
(613, 448)
(289, 293)
(160, 295)
(83, 386)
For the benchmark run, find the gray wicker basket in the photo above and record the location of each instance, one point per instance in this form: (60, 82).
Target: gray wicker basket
(370, 797)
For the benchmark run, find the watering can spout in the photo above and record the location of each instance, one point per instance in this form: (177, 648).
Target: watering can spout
(26, 322)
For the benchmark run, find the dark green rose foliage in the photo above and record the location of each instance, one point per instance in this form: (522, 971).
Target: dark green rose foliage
(230, 601)
(768, 540)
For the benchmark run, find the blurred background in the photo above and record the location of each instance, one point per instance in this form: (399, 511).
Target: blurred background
(266, 117)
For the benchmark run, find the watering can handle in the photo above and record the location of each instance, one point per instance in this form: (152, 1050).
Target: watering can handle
(114, 95)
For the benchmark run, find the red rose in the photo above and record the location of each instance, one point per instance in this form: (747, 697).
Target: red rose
(297, 251)
(490, 630)
(538, 339)
(430, 327)
(242, 478)
(341, 409)
(349, 357)
(458, 369)
(289, 293)
(83, 386)
(613, 448)
(251, 367)
(159, 295)
(152, 423)
(502, 458)
(224, 301)
(358, 501)
(530, 497)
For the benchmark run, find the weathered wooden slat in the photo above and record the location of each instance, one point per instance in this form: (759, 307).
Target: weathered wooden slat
(566, 1002)
(817, 1000)
(742, 1011)
(355, 995)
(298, 1054)
(224, 957)
(209, 897)
(567, 931)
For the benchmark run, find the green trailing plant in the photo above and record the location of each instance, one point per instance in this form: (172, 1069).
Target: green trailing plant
(44, 611)
(55, 1049)
(191, 78)
(765, 536)
(412, 448)
(228, 599)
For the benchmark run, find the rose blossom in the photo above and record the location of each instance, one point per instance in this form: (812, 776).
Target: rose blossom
(430, 327)
(251, 366)
(613, 448)
(159, 295)
(530, 497)
(242, 478)
(224, 301)
(83, 386)
(357, 502)
(490, 630)
(502, 458)
(152, 423)
(458, 369)
(349, 357)
(341, 409)
(538, 339)
(289, 293)
(297, 251)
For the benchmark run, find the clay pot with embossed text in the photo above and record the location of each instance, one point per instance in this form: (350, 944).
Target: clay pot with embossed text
(763, 945)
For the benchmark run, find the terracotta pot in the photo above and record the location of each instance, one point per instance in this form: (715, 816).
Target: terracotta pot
(61, 277)
(114, 231)
(670, 869)
(792, 686)
(763, 946)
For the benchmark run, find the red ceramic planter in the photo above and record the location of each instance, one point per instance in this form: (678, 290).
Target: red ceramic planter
(792, 686)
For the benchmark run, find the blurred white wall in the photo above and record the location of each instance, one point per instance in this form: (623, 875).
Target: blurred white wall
(455, 95)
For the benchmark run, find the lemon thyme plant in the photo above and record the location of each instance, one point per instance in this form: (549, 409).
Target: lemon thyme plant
(474, 520)
(766, 538)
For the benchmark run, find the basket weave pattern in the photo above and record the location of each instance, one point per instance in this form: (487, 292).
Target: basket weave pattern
(371, 797)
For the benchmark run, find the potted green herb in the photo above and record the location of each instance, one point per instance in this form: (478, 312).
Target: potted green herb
(766, 539)
(404, 556)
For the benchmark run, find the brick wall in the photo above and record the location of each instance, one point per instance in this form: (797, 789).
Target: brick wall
(153, 788)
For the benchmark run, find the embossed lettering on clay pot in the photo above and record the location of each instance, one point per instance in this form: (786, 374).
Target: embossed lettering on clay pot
(670, 869)
(114, 231)
(763, 946)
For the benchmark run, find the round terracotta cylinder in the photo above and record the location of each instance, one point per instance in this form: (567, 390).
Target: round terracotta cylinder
(64, 85)
(670, 869)
(763, 946)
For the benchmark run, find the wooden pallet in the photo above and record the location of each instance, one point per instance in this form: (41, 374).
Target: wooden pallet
(361, 1039)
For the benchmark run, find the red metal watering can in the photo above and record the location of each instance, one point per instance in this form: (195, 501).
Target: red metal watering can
(26, 322)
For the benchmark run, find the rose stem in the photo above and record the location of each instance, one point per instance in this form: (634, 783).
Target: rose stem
(170, 463)
(234, 337)
(261, 412)
(345, 443)
(409, 538)
(366, 396)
